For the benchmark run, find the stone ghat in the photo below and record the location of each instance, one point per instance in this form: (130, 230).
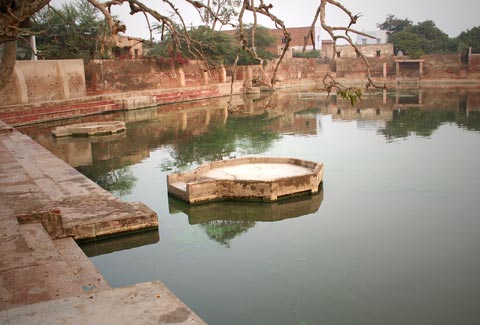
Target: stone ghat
(45, 278)
(264, 178)
(37, 187)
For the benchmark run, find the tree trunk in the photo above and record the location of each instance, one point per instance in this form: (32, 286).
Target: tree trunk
(8, 63)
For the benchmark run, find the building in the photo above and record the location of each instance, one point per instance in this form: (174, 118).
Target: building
(370, 47)
(126, 47)
(378, 37)
(298, 37)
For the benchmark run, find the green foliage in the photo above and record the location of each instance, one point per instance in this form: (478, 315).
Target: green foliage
(432, 39)
(71, 32)
(263, 42)
(470, 38)
(395, 25)
(217, 46)
(351, 94)
(407, 42)
(417, 39)
(307, 54)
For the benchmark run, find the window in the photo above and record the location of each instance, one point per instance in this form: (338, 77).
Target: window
(338, 54)
(379, 41)
(379, 52)
(364, 41)
(284, 40)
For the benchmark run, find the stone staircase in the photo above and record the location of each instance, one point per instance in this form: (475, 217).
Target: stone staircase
(33, 113)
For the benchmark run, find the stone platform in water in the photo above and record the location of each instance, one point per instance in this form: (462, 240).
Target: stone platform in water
(264, 178)
(89, 129)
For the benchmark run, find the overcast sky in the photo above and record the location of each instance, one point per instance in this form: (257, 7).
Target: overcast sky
(452, 17)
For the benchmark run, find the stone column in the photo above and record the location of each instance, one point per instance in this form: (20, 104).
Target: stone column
(384, 69)
(20, 86)
(184, 119)
(181, 77)
(206, 77)
(223, 74)
(62, 81)
(247, 74)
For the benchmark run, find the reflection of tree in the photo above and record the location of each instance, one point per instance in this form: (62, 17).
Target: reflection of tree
(472, 122)
(222, 231)
(422, 123)
(111, 176)
(246, 135)
(120, 181)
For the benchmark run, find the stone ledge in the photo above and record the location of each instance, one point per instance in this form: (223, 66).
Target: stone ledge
(143, 303)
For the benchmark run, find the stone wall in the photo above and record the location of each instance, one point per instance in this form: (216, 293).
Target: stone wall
(443, 66)
(37, 81)
(355, 67)
(474, 63)
(147, 73)
(370, 50)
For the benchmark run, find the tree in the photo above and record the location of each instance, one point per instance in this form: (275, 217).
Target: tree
(215, 45)
(224, 11)
(74, 31)
(470, 38)
(407, 42)
(263, 42)
(428, 37)
(15, 17)
(395, 25)
(433, 40)
(15, 13)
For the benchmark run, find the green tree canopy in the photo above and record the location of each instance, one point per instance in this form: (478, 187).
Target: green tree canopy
(433, 40)
(395, 25)
(264, 40)
(470, 38)
(417, 39)
(73, 31)
(407, 42)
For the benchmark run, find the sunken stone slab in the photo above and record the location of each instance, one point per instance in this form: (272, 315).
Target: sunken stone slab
(89, 129)
(264, 178)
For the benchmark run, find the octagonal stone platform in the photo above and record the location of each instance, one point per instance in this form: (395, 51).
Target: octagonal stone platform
(264, 178)
(89, 129)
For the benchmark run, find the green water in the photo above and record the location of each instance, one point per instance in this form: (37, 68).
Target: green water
(393, 237)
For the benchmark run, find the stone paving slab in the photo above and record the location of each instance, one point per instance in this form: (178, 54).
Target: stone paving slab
(36, 181)
(144, 303)
(45, 278)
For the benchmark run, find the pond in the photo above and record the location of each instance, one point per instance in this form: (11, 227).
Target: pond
(392, 238)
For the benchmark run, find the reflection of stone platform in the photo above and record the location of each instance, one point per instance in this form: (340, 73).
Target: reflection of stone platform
(119, 243)
(248, 211)
(255, 177)
(89, 129)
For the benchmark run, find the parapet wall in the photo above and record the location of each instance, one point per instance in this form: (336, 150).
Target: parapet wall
(49, 80)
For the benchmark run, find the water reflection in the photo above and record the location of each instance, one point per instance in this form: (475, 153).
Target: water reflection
(119, 243)
(394, 231)
(201, 131)
(222, 221)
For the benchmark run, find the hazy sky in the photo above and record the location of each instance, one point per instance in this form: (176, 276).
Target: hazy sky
(452, 17)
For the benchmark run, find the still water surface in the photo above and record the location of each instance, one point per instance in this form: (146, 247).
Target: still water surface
(393, 238)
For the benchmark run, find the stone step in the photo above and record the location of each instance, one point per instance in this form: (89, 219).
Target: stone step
(56, 113)
(51, 269)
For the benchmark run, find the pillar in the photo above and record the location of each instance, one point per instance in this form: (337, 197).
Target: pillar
(62, 79)
(20, 85)
(223, 74)
(384, 69)
(206, 77)
(181, 77)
